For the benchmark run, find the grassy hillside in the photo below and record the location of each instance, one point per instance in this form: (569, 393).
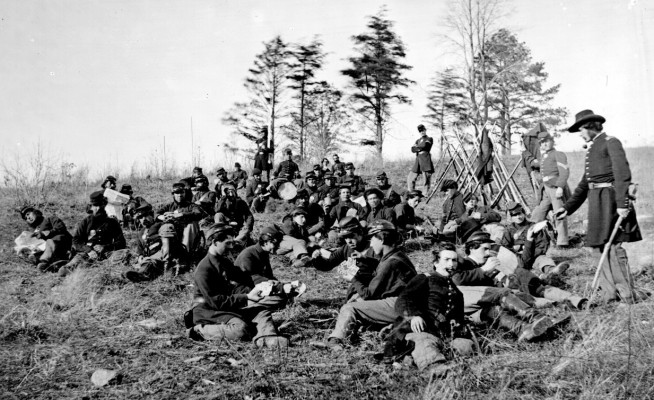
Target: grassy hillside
(55, 332)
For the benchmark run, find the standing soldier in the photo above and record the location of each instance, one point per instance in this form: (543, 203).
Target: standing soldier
(423, 162)
(606, 183)
(262, 157)
(554, 172)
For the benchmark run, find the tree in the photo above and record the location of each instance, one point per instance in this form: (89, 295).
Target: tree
(328, 118)
(517, 95)
(306, 61)
(471, 22)
(376, 75)
(446, 102)
(266, 85)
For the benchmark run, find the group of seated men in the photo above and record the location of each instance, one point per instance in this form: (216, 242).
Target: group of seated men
(235, 299)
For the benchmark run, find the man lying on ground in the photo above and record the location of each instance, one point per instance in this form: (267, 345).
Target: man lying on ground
(51, 229)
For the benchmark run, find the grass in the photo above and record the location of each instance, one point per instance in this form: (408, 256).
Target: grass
(54, 332)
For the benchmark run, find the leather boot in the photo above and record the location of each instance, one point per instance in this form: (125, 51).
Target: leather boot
(497, 316)
(511, 302)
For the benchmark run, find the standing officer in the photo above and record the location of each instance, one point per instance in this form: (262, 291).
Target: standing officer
(423, 162)
(606, 183)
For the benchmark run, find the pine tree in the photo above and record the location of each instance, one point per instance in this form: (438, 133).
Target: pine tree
(377, 74)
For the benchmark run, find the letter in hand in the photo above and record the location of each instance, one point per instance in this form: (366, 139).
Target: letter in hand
(491, 264)
(254, 296)
(417, 324)
(561, 213)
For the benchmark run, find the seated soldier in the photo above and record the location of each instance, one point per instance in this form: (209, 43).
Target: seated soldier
(285, 172)
(95, 237)
(255, 259)
(205, 199)
(256, 192)
(311, 186)
(431, 310)
(357, 185)
(356, 251)
(328, 191)
(296, 238)
(318, 172)
(234, 211)
(344, 208)
(131, 206)
(190, 181)
(315, 214)
(533, 253)
(227, 305)
(374, 301)
(453, 206)
(481, 213)
(391, 196)
(181, 220)
(156, 247)
(407, 222)
(221, 179)
(239, 176)
(53, 231)
(375, 208)
(338, 168)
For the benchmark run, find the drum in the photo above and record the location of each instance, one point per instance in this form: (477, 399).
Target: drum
(287, 191)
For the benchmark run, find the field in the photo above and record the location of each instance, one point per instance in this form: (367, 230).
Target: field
(55, 332)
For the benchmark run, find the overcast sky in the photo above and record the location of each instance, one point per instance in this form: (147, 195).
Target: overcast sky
(103, 82)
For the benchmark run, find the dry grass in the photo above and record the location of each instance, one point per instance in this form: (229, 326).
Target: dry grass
(54, 333)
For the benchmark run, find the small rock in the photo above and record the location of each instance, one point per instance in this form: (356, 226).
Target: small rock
(104, 377)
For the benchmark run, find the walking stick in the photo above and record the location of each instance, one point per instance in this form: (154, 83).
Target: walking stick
(605, 253)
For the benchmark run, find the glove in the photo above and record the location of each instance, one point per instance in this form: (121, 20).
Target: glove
(623, 212)
(559, 193)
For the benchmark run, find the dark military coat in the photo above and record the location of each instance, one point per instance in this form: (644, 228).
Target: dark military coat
(606, 162)
(422, 149)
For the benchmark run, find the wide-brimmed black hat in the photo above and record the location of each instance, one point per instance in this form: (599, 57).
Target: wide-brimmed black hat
(585, 116)
(126, 189)
(467, 229)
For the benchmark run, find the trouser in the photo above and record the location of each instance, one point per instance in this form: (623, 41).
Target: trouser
(238, 328)
(547, 203)
(428, 348)
(259, 204)
(291, 244)
(377, 312)
(413, 176)
(614, 278)
(51, 252)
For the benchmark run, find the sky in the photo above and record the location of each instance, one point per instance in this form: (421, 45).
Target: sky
(106, 83)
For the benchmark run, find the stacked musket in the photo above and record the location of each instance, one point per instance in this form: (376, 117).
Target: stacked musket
(461, 164)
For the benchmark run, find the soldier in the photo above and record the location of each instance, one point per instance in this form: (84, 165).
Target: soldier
(221, 174)
(474, 210)
(190, 181)
(311, 186)
(405, 213)
(262, 159)
(226, 304)
(391, 197)
(131, 206)
(53, 231)
(181, 220)
(423, 162)
(453, 206)
(357, 185)
(606, 183)
(255, 259)
(375, 208)
(315, 214)
(95, 237)
(318, 172)
(239, 176)
(286, 169)
(256, 192)
(338, 168)
(345, 207)
(374, 301)
(296, 238)
(329, 191)
(234, 211)
(554, 173)
(204, 198)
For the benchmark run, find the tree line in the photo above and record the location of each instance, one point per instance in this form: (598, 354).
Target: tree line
(493, 82)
